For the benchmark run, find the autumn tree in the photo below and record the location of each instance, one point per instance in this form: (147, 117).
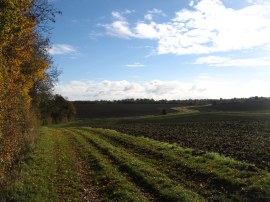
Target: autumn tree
(24, 61)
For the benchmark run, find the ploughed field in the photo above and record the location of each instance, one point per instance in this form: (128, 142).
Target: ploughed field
(87, 164)
(241, 135)
(86, 110)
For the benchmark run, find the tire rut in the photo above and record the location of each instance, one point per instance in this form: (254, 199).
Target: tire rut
(89, 191)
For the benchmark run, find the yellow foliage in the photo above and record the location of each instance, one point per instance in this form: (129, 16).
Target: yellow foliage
(21, 64)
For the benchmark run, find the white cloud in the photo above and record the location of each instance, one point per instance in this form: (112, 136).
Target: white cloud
(202, 87)
(150, 15)
(146, 31)
(191, 3)
(62, 49)
(211, 60)
(120, 27)
(118, 16)
(127, 11)
(230, 62)
(109, 90)
(208, 27)
(157, 11)
(136, 64)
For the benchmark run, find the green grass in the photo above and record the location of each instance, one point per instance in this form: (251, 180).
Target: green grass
(48, 174)
(155, 180)
(127, 168)
(114, 185)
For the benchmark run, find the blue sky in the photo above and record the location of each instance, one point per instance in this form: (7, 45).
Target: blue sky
(157, 49)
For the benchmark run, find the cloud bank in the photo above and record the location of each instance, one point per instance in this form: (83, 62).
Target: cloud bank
(202, 87)
(208, 26)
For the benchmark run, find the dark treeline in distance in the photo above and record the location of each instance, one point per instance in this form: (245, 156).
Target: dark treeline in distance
(184, 102)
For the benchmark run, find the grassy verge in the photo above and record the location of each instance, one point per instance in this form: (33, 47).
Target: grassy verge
(48, 174)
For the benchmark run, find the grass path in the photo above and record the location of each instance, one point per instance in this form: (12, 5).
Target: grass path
(54, 171)
(85, 164)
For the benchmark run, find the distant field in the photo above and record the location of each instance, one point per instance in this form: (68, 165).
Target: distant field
(252, 106)
(86, 164)
(87, 110)
(241, 135)
(238, 130)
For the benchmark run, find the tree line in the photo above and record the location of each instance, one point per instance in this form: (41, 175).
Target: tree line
(27, 77)
(190, 102)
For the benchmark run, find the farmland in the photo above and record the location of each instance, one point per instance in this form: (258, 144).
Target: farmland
(86, 110)
(241, 135)
(163, 101)
(87, 164)
(185, 155)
